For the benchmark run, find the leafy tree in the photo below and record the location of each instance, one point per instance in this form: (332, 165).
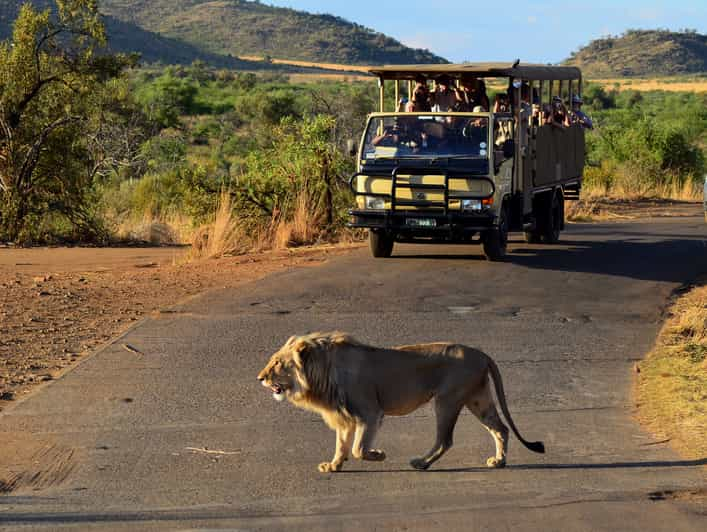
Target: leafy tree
(50, 74)
(301, 165)
(168, 97)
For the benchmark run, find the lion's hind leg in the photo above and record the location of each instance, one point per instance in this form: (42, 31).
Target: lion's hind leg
(482, 406)
(446, 411)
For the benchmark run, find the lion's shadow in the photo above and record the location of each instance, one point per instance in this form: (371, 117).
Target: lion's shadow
(541, 467)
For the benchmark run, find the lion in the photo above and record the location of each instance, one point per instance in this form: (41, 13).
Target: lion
(353, 386)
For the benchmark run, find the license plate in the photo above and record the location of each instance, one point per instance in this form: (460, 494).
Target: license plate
(421, 222)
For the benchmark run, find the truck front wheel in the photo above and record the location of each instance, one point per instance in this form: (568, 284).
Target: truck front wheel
(496, 239)
(381, 243)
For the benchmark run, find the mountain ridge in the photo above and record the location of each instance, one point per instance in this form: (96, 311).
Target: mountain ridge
(240, 27)
(647, 53)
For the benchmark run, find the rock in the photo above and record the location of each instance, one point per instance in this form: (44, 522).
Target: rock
(7, 396)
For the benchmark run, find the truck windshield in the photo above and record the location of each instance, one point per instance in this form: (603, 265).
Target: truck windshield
(426, 136)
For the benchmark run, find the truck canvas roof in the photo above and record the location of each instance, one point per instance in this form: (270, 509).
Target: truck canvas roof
(504, 70)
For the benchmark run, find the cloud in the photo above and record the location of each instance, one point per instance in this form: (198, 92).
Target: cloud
(532, 19)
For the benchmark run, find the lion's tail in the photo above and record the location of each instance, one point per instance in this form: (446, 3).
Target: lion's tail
(536, 446)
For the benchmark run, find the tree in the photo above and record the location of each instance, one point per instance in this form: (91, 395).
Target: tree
(51, 73)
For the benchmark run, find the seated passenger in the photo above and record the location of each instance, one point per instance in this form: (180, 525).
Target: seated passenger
(481, 96)
(443, 98)
(420, 101)
(471, 93)
(577, 116)
(390, 137)
(501, 104)
(560, 114)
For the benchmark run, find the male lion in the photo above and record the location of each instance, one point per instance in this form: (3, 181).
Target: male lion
(354, 385)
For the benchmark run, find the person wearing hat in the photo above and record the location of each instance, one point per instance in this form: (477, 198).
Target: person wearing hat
(578, 117)
(443, 98)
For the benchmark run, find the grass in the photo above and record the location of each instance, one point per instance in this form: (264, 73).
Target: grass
(229, 234)
(600, 203)
(310, 64)
(697, 85)
(671, 389)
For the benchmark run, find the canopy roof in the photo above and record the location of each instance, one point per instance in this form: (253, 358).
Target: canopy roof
(481, 70)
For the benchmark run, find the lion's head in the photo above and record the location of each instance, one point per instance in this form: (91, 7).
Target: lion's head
(282, 374)
(303, 367)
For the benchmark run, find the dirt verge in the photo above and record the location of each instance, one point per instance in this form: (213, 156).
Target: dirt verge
(671, 383)
(612, 209)
(61, 304)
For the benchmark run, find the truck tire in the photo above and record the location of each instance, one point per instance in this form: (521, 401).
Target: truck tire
(496, 239)
(555, 218)
(381, 243)
(531, 237)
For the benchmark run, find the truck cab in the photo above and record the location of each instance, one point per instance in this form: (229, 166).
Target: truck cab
(468, 177)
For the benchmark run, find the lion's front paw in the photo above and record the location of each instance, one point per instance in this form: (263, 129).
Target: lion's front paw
(329, 467)
(374, 455)
(419, 464)
(496, 463)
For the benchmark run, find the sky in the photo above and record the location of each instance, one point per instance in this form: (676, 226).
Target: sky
(534, 31)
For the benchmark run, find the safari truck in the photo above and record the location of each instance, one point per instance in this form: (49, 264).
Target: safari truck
(464, 176)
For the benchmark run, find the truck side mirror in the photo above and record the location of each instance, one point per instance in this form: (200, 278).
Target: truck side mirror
(351, 147)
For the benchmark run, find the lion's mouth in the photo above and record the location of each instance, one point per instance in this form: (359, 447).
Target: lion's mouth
(276, 389)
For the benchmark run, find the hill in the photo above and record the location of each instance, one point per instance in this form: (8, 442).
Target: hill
(647, 53)
(127, 37)
(240, 27)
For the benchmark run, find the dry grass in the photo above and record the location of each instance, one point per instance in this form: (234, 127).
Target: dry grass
(601, 202)
(316, 78)
(309, 64)
(229, 235)
(168, 230)
(672, 383)
(225, 236)
(656, 84)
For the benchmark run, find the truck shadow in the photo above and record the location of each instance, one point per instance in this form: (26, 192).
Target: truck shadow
(671, 260)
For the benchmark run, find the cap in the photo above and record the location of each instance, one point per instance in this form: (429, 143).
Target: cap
(576, 98)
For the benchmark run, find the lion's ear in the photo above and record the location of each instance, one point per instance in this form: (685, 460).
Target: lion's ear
(299, 352)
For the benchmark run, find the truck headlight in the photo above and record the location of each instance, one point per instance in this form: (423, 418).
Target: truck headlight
(375, 203)
(471, 205)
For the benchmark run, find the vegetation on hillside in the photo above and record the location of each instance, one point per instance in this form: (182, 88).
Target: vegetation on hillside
(125, 37)
(241, 27)
(648, 53)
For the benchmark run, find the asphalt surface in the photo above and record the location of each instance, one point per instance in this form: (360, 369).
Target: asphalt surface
(122, 441)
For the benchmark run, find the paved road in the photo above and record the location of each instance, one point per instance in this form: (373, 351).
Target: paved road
(566, 324)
